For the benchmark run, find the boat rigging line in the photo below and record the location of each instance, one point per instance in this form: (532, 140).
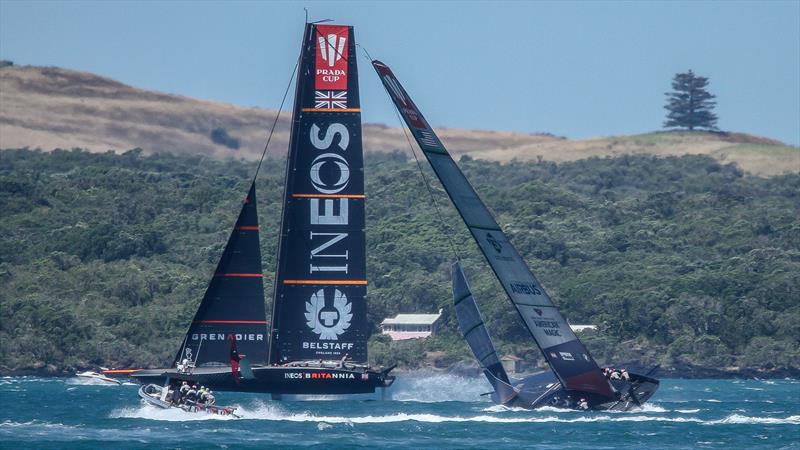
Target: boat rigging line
(277, 116)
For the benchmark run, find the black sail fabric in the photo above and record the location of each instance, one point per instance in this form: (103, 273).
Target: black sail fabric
(233, 305)
(319, 310)
(567, 356)
(470, 323)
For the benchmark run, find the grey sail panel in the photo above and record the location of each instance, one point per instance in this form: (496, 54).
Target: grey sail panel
(566, 355)
(469, 204)
(470, 323)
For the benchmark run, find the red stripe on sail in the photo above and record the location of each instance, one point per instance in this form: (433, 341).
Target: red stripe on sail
(248, 228)
(329, 196)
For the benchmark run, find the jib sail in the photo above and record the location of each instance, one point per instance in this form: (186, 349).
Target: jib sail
(319, 310)
(470, 323)
(232, 308)
(566, 355)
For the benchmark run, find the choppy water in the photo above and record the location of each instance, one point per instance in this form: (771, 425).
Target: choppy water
(426, 410)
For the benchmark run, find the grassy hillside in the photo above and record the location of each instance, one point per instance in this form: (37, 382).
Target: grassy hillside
(104, 257)
(47, 108)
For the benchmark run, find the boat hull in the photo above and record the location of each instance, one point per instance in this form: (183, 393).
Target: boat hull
(151, 393)
(97, 376)
(632, 395)
(307, 380)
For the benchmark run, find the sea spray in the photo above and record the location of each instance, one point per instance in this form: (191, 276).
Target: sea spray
(429, 387)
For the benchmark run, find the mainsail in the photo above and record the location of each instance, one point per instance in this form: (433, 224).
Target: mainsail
(319, 309)
(470, 323)
(232, 308)
(567, 356)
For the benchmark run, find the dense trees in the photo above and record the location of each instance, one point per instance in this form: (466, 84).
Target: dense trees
(690, 105)
(104, 258)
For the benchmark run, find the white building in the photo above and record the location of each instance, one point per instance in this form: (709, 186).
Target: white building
(411, 326)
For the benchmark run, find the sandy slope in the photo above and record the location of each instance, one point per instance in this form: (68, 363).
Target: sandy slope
(58, 108)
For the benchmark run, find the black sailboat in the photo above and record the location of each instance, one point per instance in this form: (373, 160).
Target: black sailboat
(577, 375)
(318, 338)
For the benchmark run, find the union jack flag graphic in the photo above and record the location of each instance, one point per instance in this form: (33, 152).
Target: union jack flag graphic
(429, 139)
(330, 99)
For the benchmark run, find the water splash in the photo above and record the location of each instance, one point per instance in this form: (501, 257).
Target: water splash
(82, 381)
(432, 387)
(169, 415)
(746, 420)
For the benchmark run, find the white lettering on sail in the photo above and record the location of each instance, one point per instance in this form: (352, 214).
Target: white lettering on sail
(328, 216)
(330, 133)
(338, 162)
(222, 337)
(317, 252)
(314, 268)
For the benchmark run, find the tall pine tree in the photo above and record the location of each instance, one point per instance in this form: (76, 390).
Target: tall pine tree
(689, 104)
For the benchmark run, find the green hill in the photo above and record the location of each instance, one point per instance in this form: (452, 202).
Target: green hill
(679, 260)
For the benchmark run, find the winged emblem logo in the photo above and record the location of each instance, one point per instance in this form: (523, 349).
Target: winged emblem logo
(328, 321)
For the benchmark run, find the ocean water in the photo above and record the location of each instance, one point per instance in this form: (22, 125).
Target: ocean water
(426, 410)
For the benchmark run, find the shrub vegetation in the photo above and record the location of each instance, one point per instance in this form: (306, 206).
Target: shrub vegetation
(104, 257)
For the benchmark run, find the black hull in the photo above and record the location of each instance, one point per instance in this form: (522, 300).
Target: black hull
(277, 380)
(632, 395)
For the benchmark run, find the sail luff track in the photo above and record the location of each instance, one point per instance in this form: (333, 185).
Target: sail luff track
(567, 356)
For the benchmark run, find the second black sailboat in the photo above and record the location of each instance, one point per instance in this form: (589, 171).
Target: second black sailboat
(579, 381)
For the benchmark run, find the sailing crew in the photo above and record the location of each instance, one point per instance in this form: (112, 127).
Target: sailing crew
(202, 395)
(176, 394)
(191, 395)
(210, 400)
(614, 375)
(583, 404)
(184, 390)
(344, 360)
(183, 367)
(625, 375)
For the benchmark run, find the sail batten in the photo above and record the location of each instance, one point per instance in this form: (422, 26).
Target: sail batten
(566, 355)
(319, 308)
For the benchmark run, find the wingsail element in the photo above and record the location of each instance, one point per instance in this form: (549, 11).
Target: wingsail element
(319, 309)
(470, 323)
(569, 359)
(233, 305)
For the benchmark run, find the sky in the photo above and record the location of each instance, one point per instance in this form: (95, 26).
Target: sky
(574, 69)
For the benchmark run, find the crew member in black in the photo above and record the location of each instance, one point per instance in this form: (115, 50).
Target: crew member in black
(191, 395)
(184, 390)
